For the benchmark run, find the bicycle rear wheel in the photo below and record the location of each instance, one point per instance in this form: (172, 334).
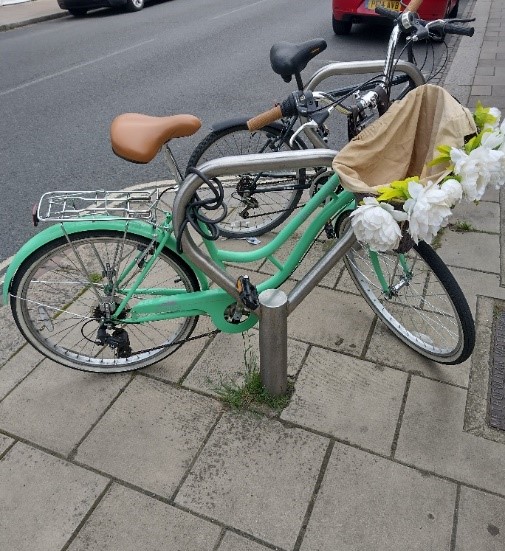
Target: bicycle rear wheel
(256, 202)
(59, 293)
(418, 299)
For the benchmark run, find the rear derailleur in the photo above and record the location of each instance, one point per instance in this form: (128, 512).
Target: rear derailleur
(118, 340)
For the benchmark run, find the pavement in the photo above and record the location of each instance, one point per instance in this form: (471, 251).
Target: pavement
(377, 450)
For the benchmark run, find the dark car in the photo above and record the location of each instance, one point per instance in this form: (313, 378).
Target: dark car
(347, 12)
(79, 8)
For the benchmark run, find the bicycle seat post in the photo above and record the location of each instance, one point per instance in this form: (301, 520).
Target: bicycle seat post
(172, 164)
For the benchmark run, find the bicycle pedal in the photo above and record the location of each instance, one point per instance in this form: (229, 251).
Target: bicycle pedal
(247, 292)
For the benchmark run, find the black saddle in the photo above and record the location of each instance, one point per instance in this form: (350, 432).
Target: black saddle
(290, 59)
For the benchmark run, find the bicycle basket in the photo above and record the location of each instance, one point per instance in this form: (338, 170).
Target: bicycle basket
(401, 143)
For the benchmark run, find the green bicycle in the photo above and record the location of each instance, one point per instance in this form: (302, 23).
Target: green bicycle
(118, 282)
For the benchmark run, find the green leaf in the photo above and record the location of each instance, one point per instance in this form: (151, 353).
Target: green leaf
(445, 155)
(482, 116)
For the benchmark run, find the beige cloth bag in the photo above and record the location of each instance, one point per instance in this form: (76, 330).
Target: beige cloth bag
(404, 140)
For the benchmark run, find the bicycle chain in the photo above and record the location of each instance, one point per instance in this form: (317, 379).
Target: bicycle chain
(182, 341)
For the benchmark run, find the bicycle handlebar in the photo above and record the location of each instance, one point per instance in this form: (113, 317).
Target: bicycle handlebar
(261, 120)
(450, 28)
(286, 109)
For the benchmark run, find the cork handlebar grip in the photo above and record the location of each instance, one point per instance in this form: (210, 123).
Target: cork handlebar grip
(261, 120)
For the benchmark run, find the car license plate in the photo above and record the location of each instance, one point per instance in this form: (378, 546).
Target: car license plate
(394, 5)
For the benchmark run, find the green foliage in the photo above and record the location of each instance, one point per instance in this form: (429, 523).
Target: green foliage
(396, 191)
(251, 392)
(482, 116)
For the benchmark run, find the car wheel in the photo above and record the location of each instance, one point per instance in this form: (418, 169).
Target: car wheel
(454, 12)
(341, 27)
(78, 12)
(134, 5)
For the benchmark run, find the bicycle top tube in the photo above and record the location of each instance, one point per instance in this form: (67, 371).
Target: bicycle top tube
(227, 166)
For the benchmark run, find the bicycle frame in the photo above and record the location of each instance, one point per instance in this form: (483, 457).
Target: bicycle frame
(213, 302)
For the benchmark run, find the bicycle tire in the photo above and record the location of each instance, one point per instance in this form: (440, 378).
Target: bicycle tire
(263, 211)
(425, 308)
(56, 293)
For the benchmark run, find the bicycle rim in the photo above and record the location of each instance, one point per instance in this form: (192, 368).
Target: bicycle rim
(256, 202)
(422, 303)
(57, 293)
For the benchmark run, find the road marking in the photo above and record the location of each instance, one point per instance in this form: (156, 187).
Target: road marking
(238, 9)
(74, 67)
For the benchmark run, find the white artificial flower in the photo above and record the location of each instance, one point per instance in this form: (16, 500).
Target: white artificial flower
(453, 191)
(496, 113)
(489, 164)
(376, 224)
(476, 170)
(427, 211)
(492, 140)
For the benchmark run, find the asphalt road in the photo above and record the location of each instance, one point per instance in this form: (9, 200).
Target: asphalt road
(63, 81)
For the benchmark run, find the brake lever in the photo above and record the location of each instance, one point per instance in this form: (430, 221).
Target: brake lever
(308, 124)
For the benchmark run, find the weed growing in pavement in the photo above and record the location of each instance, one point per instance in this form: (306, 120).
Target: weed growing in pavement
(251, 393)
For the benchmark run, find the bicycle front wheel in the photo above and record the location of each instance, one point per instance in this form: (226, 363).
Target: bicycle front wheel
(417, 297)
(61, 294)
(256, 202)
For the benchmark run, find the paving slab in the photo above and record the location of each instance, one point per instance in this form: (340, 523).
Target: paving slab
(55, 406)
(386, 349)
(471, 250)
(234, 542)
(178, 364)
(17, 368)
(223, 362)
(481, 522)
(332, 319)
(5, 442)
(43, 499)
(475, 284)
(478, 397)
(370, 503)
(10, 338)
(348, 398)
(483, 217)
(127, 520)
(432, 438)
(150, 435)
(257, 476)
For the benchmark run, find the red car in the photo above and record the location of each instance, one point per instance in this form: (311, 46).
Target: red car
(347, 12)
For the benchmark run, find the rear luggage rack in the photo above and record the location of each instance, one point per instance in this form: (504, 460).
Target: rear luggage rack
(76, 205)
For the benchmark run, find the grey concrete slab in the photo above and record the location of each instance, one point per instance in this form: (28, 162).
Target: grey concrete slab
(177, 364)
(481, 522)
(483, 217)
(11, 339)
(474, 284)
(386, 349)
(348, 398)
(55, 406)
(432, 438)
(42, 499)
(257, 476)
(477, 401)
(150, 435)
(234, 542)
(126, 520)
(475, 251)
(331, 319)
(5, 442)
(17, 368)
(370, 503)
(224, 361)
